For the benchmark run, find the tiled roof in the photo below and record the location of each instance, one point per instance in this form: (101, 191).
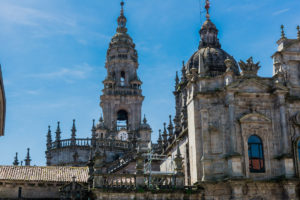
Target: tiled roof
(43, 174)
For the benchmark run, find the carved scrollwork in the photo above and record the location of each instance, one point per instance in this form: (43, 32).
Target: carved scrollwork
(296, 119)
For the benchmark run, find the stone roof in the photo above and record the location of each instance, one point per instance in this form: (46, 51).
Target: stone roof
(43, 174)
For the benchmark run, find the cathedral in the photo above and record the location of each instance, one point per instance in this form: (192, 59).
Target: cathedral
(235, 135)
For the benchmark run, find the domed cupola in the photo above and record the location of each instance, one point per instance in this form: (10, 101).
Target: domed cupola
(122, 46)
(209, 59)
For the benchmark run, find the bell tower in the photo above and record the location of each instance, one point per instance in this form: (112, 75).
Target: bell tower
(122, 97)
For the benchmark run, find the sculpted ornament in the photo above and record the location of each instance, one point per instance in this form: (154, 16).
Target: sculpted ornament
(296, 119)
(249, 69)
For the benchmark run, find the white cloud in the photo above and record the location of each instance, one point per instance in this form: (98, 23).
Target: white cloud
(32, 92)
(66, 74)
(281, 11)
(32, 17)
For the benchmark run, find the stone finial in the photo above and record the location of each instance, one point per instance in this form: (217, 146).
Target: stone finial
(165, 136)
(282, 32)
(170, 128)
(73, 130)
(159, 141)
(122, 20)
(93, 133)
(139, 161)
(145, 120)
(178, 162)
(229, 64)
(207, 7)
(249, 69)
(183, 73)
(16, 161)
(298, 33)
(27, 159)
(49, 138)
(176, 81)
(58, 135)
(101, 119)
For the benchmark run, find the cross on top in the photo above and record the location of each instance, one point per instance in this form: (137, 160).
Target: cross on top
(207, 6)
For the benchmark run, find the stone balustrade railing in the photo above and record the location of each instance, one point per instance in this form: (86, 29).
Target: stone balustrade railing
(146, 181)
(120, 163)
(121, 181)
(122, 91)
(87, 142)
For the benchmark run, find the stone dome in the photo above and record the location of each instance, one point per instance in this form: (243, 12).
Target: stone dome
(209, 59)
(213, 60)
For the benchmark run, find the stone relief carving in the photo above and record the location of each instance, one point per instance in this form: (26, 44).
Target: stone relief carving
(296, 119)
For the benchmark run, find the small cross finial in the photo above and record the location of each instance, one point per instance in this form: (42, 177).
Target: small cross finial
(282, 32)
(207, 7)
(298, 35)
(122, 7)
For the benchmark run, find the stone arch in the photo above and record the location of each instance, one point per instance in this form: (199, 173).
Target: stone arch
(261, 126)
(122, 118)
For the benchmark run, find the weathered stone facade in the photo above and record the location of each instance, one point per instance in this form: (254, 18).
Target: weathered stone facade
(235, 135)
(238, 132)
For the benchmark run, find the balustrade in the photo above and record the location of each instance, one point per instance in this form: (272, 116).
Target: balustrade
(121, 181)
(87, 143)
(129, 181)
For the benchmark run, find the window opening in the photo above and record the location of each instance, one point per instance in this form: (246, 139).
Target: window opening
(122, 119)
(256, 155)
(122, 78)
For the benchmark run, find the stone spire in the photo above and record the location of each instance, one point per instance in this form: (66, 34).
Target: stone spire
(282, 32)
(176, 81)
(49, 138)
(183, 71)
(58, 133)
(73, 135)
(16, 161)
(298, 34)
(145, 120)
(170, 129)
(122, 20)
(159, 141)
(209, 32)
(178, 162)
(90, 165)
(165, 136)
(93, 134)
(27, 159)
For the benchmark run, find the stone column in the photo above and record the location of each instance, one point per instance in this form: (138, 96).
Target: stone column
(290, 190)
(234, 158)
(179, 170)
(140, 180)
(231, 110)
(283, 123)
(286, 156)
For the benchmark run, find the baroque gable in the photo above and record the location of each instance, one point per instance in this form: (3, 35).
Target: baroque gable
(254, 118)
(252, 85)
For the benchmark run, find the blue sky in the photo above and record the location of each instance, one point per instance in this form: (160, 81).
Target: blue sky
(53, 53)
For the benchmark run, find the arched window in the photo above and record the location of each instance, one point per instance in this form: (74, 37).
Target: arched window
(122, 119)
(122, 79)
(256, 154)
